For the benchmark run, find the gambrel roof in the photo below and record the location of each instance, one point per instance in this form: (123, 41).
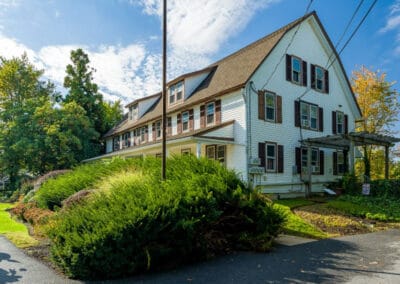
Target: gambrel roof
(224, 76)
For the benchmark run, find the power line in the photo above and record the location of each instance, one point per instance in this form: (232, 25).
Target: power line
(354, 32)
(287, 47)
(345, 30)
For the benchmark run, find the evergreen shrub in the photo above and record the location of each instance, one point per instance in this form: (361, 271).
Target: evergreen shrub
(135, 222)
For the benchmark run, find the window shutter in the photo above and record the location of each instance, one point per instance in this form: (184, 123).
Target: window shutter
(218, 111)
(169, 126)
(280, 159)
(153, 131)
(304, 73)
(298, 159)
(297, 113)
(321, 119)
(261, 105)
(202, 116)
(278, 109)
(191, 120)
(312, 76)
(346, 124)
(335, 172)
(321, 162)
(326, 77)
(334, 122)
(288, 67)
(179, 123)
(261, 154)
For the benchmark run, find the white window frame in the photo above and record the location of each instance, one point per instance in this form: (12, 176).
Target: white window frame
(143, 134)
(210, 122)
(158, 129)
(307, 118)
(314, 162)
(340, 125)
(320, 78)
(185, 121)
(175, 93)
(127, 139)
(272, 158)
(340, 162)
(214, 152)
(295, 71)
(134, 112)
(273, 107)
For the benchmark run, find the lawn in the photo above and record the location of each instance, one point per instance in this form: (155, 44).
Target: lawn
(13, 230)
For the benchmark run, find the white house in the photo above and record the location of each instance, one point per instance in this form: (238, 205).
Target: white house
(253, 111)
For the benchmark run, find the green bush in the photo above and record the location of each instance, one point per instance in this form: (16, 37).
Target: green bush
(386, 188)
(54, 191)
(351, 184)
(135, 222)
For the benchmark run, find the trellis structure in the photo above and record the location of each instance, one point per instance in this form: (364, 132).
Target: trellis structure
(347, 142)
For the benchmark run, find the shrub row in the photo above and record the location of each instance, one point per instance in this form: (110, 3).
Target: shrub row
(136, 222)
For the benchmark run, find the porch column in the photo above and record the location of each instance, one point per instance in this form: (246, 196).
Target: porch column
(351, 157)
(198, 149)
(309, 172)
(386, 162)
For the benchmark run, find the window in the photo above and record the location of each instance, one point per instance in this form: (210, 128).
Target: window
(142, 133)
(116, 143)
(185, 152)
(340, 122)
(314, 161)
(158, 129)
(185, 121)
(133, 112)
(319, 79)
(309, 116)
(216, 152)
(271, 157)
(270, 107)
(176, 93)
(296, 70)
(210, 115)
(127, 139)
(340, 163)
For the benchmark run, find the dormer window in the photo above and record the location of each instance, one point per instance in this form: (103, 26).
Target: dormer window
(133, 112)
(176, 93)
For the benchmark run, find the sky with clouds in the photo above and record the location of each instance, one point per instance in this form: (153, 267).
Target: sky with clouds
(123, 37)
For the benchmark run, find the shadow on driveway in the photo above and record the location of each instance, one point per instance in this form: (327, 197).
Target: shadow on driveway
(10, 275)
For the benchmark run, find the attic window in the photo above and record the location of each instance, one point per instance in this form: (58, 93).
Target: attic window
(176, 93)
(133, 112)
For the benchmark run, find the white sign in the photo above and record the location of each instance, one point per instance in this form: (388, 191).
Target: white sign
(366, 187)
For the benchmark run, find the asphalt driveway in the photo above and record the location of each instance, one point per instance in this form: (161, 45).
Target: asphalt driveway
(369, 258)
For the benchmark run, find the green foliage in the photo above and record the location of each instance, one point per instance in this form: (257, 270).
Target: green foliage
(351, 184)
(295, 225)
(374, 208)
(136, 222)
(54, 191)
(388, 189)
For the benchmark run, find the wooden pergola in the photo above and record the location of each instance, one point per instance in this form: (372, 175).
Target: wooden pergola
(347, 142)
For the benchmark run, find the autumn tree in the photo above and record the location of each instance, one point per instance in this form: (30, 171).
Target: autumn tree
(379, 106)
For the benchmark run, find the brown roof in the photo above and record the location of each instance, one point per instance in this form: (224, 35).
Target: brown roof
(228, 74)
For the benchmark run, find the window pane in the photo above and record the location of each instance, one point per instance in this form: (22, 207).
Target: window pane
(210, 152)
(319, 73)
(296, 64)
(271, 150)
(210, 113)
(270, 164)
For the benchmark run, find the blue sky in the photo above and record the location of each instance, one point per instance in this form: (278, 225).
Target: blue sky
(123, 37)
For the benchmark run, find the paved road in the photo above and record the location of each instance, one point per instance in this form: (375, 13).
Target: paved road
(369, 258)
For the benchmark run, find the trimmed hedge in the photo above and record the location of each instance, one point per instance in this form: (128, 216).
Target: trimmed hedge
(136, 222)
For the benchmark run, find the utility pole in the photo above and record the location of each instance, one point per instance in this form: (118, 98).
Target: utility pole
(164, 93)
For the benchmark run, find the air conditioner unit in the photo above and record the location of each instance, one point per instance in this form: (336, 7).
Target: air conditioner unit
(304, 122)
(254, 161)
(257, 170)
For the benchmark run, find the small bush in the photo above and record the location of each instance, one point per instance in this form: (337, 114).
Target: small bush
(386, 189)
(351, 184)
(136, 222)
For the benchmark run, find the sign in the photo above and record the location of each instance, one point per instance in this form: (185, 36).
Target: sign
(366, 187)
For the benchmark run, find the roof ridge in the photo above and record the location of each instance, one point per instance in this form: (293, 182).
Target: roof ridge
(266, 37)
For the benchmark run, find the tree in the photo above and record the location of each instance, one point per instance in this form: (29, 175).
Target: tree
(379, 106)
(82, 90)
(21, 92)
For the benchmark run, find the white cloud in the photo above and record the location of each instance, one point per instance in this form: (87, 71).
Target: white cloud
(393, 24)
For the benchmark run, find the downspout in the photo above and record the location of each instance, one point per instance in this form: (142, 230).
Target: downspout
(248, 147)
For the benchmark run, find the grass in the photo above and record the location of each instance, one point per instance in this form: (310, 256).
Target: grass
(294, 203)
(294, 224)
(373, 208)
(16, 232)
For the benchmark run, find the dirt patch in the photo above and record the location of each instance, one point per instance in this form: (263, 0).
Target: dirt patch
(336, 223)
